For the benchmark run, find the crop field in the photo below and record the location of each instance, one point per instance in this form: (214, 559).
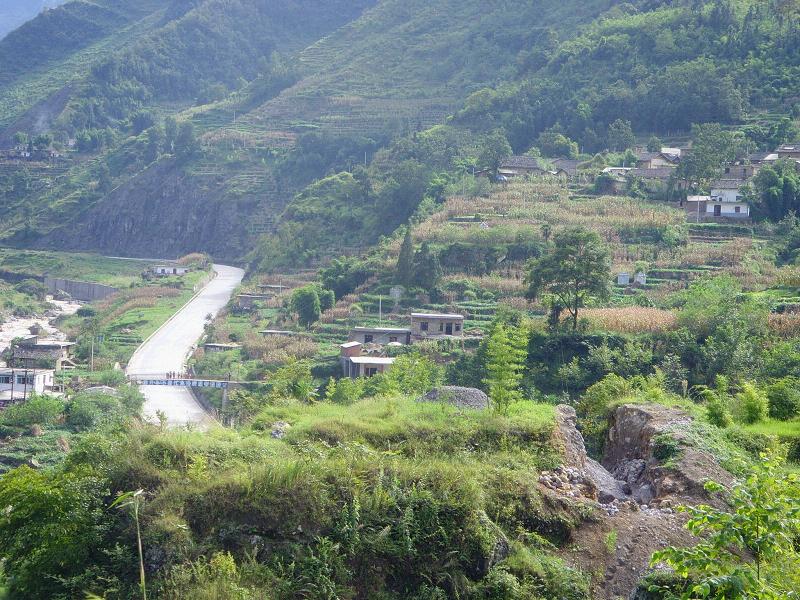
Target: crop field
(83, 267)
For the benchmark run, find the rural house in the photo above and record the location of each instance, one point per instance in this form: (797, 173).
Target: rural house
(727, 200)
(19, 384)
(164, 270)
(521, 166)
(655, 160)
(791, 151)
(380, 335)
(36, 353)
(355, 365)
(431, 325)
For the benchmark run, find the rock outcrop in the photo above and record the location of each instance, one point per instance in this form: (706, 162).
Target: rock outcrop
(630, 468)
(634, 435)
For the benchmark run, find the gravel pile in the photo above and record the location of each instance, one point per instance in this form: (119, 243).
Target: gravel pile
(461, 397)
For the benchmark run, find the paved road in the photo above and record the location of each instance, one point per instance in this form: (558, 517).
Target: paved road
(168, 349)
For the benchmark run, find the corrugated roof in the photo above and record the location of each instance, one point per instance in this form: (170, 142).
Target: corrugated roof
(382, 329)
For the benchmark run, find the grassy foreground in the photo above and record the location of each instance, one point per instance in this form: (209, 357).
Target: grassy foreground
(387, 498)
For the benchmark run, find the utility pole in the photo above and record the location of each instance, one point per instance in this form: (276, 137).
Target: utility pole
(91, 364)
(380, 310)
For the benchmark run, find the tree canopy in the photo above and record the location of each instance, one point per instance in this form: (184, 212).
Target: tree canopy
(575, 268)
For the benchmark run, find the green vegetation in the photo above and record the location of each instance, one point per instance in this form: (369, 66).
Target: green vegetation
(763, 521)
(82, 267)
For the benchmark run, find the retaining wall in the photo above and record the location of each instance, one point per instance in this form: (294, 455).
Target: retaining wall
(79, 290)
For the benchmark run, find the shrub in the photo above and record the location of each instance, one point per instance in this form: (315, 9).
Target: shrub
(38, 410)
(594, 408)
(86, 312)
(717, 413)
(344, 391)
(784, 399)
(751, 404)
(111, 378)
(88, 411)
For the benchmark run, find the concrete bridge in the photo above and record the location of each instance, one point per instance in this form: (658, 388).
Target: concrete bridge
(163, 380)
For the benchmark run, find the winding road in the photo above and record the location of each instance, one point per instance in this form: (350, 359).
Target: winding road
(169, 347)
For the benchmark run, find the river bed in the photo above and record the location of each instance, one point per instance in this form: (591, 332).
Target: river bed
(14, 327)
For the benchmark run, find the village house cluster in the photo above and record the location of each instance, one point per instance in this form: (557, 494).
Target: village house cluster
(656, 171)
(31, 365)
(365, 352)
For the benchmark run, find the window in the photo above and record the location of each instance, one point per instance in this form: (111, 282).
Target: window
(371, 371)
(5, 378)
(738, 209)
(458, 326)
(441, 326)
(368, 338)
(21, 380)
(423, 326)
(392, 339)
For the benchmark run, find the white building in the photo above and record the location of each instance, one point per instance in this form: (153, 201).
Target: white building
(167, 270)
(727, 200)
(18, 384)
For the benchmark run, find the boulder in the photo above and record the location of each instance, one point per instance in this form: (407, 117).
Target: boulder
(461, 397)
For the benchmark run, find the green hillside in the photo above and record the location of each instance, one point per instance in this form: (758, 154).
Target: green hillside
(299, 91)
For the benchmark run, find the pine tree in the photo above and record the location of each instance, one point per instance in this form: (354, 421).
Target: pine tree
(506, 353)
(426, 268)
(404, 273)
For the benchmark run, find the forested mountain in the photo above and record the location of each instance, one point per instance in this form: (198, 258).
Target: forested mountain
(14, 13)
(279, 95)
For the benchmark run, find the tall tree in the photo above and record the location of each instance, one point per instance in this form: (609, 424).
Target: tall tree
(576, 267)
(495, 148)
(506, 353)
(404, 272)
(712, 148)
(426, 266)
(305, 302)
(620, 135)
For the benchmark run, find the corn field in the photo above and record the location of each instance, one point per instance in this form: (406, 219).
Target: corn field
(631, 319)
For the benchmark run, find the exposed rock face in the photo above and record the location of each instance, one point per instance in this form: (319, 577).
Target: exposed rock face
(461, 397)
(629, 455)
(630, 470)
(161, 213)
(569, 437)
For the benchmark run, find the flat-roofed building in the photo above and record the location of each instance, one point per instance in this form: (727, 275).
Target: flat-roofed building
(355, 365)
(381, 335)
(432, 325)
(17, 385)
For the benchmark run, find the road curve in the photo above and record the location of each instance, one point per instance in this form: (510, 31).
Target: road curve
(169, 347)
